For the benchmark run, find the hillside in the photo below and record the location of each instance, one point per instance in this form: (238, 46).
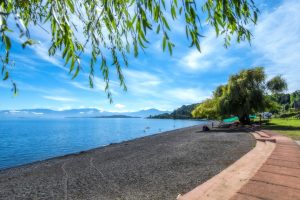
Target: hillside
(184, 112)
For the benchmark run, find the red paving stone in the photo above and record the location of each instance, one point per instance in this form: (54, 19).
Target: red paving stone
(283, 163)
(280, 170)
(285, 150)
(284, 155)
(293, 147)
(288, 151)
(296, 146)
(269, 191)
(279, 177)
(244, 197)
(276, 157)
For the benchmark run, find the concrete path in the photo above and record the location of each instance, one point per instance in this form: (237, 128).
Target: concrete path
(271, 171)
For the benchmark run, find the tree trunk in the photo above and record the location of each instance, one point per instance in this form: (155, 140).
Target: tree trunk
(244, 119)
(260, 116)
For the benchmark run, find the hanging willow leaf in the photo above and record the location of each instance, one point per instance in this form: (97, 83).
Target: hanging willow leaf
(6, 76)
(6, 41)
(117, 27)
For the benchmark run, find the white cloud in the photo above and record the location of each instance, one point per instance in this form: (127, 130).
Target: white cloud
(41, 50)
(143, 78)
(212, 55)
(23, 86)
(120, 106)
(59, 98)
(14, 111)
(5, 84)
(277, 41)
(142, 83)
(37, 113)
(147, 85)
(99, 85)
(187, 95)
(43, 38)
(80, 85)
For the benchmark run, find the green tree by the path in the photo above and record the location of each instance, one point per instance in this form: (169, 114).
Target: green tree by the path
(112, 29)
(244, 94)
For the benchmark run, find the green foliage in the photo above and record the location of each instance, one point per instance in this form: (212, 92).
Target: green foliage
(113, 29)
(277, 85)
(220, 90)
(281, 98)
(208, 109)
(184, 112)
(289, 127)
(287, 102)
(295, 100)
(272, 106)
(289, 115)
(244, 94)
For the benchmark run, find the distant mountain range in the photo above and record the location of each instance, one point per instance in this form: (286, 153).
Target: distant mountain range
(86, 112)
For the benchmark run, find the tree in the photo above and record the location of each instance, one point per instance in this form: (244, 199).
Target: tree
(277, 85)
(114, 29)
(295, 99)
(207, 109)
(244, 94)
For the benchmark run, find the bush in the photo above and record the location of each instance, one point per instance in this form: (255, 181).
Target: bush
(289, 115)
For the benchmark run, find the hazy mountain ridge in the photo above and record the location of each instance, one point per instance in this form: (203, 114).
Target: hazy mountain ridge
(85, 112)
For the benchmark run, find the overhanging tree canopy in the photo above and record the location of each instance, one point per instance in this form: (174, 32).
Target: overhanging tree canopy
(118, 27)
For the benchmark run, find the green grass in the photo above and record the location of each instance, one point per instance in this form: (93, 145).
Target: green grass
(288, 127)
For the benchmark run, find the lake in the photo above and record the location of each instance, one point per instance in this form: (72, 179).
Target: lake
(24, 141)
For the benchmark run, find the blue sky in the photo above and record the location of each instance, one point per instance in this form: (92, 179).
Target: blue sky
(154, 79)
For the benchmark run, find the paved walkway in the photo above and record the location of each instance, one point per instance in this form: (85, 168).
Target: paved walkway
(276, 178)
(279, 177)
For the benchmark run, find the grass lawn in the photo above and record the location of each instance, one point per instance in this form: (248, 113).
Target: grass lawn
(288, 127)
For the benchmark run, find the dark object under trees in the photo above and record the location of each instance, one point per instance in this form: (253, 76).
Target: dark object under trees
(205, 128)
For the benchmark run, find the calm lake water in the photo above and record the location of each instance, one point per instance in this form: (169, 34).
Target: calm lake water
(27, 140)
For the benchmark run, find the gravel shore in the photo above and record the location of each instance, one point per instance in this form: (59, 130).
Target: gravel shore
(154, 167)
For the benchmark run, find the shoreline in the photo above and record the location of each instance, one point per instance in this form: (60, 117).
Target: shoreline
(158, 166)
(97, 148)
